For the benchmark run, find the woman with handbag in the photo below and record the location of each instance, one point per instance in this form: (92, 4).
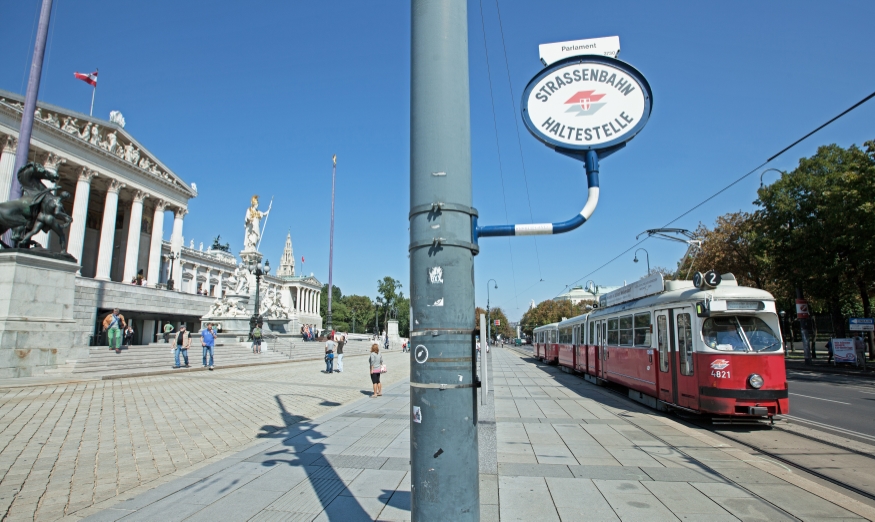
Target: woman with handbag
(377, 367)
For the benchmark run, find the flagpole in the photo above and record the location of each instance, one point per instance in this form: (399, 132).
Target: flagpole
(94, 90)
(331, 239)
(36, 69)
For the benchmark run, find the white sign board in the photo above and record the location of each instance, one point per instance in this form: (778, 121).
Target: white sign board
(553, 52)
(862, 324)
(587, 105)
(652, 284)
(843, 351)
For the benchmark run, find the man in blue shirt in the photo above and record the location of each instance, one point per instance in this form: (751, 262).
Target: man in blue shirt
(208, 341)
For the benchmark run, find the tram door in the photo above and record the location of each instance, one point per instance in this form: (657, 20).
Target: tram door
(666, 379)
(688, 391)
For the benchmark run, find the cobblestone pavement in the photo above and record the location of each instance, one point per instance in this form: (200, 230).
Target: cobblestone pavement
(66, 447)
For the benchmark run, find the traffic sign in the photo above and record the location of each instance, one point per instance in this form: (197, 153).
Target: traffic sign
(862, 324)
(498, 322)
(802, 309)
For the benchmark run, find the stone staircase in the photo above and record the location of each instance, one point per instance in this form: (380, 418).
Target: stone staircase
(156, 358)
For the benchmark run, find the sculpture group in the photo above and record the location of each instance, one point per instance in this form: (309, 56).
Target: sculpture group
(39, 209)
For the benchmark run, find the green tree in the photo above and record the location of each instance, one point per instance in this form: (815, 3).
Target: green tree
(403, 306)
(503, 329)
(547, 312)
(818, 222)
(362, 308)
(389, 289)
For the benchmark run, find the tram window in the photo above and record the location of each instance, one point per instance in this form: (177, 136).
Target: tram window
(739, 334)
(592, 332)
(614, 332)
(565, 336)
(553, 336)
(685, 344)
(642, 329)
(626, 331)
(662, 341)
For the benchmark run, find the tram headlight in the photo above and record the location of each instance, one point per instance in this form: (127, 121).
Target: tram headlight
(755, 380)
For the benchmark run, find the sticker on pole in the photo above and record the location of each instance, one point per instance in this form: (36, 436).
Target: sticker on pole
(417, 415)
(587, 103)
(420, 354)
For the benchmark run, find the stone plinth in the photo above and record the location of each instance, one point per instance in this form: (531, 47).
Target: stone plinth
(38, 329)
(392, 333)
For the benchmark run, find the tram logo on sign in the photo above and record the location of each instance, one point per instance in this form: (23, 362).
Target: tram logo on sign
(585, 103)
(719, 364)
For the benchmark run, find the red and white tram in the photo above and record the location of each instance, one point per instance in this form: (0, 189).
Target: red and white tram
(713, 350)
(545, 340)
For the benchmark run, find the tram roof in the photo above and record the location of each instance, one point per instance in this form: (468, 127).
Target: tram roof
(681, 291)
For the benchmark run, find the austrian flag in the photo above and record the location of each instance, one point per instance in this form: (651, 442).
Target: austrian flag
(90, 79)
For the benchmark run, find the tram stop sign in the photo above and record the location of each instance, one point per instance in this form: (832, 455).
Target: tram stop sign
(586, 103)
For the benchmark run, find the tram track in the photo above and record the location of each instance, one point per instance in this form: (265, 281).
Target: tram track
(702, 424)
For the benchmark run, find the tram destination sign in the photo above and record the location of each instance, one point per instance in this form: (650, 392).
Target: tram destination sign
(586, 103)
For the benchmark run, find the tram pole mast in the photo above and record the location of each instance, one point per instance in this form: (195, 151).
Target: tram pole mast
(443, 393)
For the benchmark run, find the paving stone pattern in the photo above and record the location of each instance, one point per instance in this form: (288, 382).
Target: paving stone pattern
(569, 450)
(68, 446)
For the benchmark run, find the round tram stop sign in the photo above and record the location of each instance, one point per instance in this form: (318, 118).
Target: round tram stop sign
(587, 103)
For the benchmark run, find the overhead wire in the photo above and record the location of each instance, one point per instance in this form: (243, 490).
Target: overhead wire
(497, 143)
(727, 187)
(517, 124)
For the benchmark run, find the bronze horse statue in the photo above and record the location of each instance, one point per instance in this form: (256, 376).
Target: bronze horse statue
(37, 209)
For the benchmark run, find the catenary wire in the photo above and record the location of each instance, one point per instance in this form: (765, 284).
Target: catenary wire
(518, 139)
(727, 187)
(497, 145)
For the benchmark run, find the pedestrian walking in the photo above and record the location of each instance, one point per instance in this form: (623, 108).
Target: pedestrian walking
(208, 341)
(256, 338)
(129, 337)
(829, 351)
(183, 343)
(113, 325)
(168, 329)
(860, 350)
(386, 341)
(339, 358)
(375, 363)
(330, 346)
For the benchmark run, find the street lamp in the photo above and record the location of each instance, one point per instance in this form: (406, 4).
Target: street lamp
(648, 258)
(259, 271)
(488, 320)
(783, 314)
(171, 257)
(353, 319)
(763, 172)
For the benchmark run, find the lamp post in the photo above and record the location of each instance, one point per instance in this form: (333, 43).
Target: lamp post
(648, 258)
(763, 173)
(259, 271)
(783, 332)
(171, 257)
(488, 319)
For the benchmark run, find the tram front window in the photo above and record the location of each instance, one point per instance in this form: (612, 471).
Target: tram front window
(739, 334)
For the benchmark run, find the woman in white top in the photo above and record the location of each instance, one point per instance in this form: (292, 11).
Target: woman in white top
(375, 363)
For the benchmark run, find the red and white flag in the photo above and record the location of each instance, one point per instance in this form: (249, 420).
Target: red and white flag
(302, 259)
(90, 79)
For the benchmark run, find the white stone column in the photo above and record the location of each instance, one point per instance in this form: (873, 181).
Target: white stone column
(107, 230)
(154, 272)
(219, 277)
(132, 253)
(192, 286)
(312, 300)
(8, 146)
(176, 246)
(80, 213)
(51, 162)
(318, 301)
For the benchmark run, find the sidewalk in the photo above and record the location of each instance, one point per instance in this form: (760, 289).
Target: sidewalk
(566, 450)
(820, 365)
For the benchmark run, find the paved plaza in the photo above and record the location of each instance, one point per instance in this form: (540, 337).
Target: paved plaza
(566, 450)
(287, 442)
(70, 447)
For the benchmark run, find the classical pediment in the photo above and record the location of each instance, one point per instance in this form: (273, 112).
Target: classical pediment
(99, 135)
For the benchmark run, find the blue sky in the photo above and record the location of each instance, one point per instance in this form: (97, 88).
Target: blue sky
(254, 97)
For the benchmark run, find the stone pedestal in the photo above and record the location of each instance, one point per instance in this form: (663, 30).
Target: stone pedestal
(392, 333)
(38, 329)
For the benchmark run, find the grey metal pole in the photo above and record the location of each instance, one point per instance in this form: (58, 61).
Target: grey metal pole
(36, 71)
(331, 240)
(443, 394)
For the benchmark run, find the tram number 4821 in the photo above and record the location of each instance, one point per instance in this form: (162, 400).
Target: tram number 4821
(719, 374)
